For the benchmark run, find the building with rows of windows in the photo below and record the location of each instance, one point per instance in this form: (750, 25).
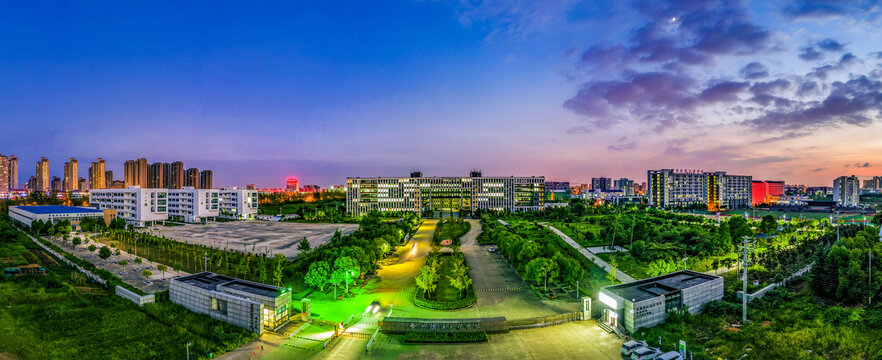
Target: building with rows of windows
(717, 190)
(430, 195)
(193, 205)
(137, 206)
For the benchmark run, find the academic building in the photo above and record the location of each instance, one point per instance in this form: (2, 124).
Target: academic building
(670, 188)
(461, 195)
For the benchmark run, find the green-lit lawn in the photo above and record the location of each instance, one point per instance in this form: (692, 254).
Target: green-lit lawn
(446, 291)
(797, 215)
(637, 268)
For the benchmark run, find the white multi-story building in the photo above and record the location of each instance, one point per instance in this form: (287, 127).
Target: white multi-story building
(137, 206)
(193, 205)
(446, 194)
(846, 191)
(236, 203)
(717, 190)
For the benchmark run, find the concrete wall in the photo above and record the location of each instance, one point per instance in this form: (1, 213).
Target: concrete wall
(646, 313)
(135, 298)
(694, 298)
(762, 292)
(240, 311)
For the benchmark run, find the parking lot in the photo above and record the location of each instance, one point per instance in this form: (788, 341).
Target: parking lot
(277, 237)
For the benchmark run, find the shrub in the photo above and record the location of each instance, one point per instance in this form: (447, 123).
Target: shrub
(421, 301)
(444, 337)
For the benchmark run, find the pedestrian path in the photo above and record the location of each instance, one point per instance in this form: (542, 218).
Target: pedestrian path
(506, 289)
(621, 276)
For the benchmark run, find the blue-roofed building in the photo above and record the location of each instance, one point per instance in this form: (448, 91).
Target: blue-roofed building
(25, 215)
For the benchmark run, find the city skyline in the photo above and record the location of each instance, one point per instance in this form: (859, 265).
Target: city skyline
(780, 91)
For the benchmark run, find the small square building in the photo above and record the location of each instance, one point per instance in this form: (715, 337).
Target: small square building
(251, 305)
(645, 303)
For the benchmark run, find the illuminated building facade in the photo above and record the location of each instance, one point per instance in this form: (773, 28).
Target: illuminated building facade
(626, 185)
(238, 203)
(137, 206)
(42, 176)
(557, 191)
(13, 172)
(97, 175)
(668, 188)
(766, 192)
(71, 175)
(444, 194)
(846, 191)
(193, 205)
(601, 184)
(292, 185)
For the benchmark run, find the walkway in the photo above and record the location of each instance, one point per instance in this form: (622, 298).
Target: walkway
(621, 276)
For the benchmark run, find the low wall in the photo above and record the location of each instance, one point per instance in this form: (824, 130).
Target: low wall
(762, 292)
(402, 325)
(135, 298)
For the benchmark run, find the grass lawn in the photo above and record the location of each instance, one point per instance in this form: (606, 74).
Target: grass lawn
(637, 268)
(446, 291)
(797, 215)
(571, 229)
(61, 316)
(784, 325)
(450, 230)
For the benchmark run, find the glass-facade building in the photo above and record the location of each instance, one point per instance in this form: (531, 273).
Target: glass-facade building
(462, 195)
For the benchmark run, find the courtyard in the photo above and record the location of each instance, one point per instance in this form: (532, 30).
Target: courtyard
(261, 236)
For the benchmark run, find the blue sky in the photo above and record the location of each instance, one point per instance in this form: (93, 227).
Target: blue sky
(261, 91)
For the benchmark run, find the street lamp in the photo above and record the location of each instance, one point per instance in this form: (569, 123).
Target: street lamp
(546, 280)
(188, 351)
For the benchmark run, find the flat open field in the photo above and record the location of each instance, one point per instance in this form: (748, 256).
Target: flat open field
(277, 237)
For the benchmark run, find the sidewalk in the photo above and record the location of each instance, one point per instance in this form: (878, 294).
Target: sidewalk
(621, 276)
(133, 271)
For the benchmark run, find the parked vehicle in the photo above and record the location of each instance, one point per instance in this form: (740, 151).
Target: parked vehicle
(491, 249)
(670, 355)
(629, 346)
(645, 353)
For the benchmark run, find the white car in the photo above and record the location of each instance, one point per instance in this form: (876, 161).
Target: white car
(645, 353)
(629, 346)
(670, 355)
(491, 249)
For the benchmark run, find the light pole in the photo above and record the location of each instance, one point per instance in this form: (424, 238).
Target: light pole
(546, 280)
(188, 351)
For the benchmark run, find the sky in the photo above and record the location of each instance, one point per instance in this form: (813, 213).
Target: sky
(262, 91)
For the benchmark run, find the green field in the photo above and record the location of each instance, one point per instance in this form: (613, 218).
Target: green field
(797, 215)
(578, 232)
(450, 229)
(62, 316)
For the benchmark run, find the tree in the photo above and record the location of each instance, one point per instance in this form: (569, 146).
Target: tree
(638, 249)
(541, 269)
(427, 280)
(528, 251)
(117, 253)
(104, 253)
(177, 267)
(768, 225)
(348, 266)
(304, 246)
(146, 273)
(318, 275)
(123, 263)
(92, 248)
(277, 272)
(570, 269)
(162, 269)
(459, 276)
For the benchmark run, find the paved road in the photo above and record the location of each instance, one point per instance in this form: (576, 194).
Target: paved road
(603, 264)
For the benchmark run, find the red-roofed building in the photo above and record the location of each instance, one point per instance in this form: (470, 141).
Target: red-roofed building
(767, 192)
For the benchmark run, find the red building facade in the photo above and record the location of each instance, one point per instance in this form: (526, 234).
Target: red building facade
(767, 192)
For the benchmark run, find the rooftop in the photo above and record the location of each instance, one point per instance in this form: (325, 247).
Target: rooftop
(660, 285)
(211, 281)
(57, 209)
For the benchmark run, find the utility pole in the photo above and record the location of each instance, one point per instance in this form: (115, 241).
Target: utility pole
(204, 261)
(870, 274)
(744, 290)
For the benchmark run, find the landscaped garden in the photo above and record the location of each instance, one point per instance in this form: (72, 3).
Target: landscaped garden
(450, 229)
(444, 282)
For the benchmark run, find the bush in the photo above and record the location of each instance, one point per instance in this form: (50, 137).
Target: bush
(421, 301)
(444, 337)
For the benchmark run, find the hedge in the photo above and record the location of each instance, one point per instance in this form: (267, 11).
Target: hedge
(444, 337)
(420, 300)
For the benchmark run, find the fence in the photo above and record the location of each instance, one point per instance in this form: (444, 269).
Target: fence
(371, 341)
(544, 321)
(762, 292)
(402, 325)
(135, 298)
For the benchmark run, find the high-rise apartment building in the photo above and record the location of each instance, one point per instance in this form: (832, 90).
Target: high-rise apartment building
(97, 175)
(13, 172)
(206, 179)
(176, 175)
(108, 179)
(846, 191)
(42, 176)
(4, 174)
(32, 184)
(157, 176)
(444, 194)
(191, 178)
(874, 183)
(136, 172)
(626, 185)
(83, 184)
(72, 175)
(715, 190)
(601, 184)
(56, 184)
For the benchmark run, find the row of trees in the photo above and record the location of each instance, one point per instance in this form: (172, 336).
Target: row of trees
(533, 249)
(848, 269)
(431, 272)
(346, 258)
